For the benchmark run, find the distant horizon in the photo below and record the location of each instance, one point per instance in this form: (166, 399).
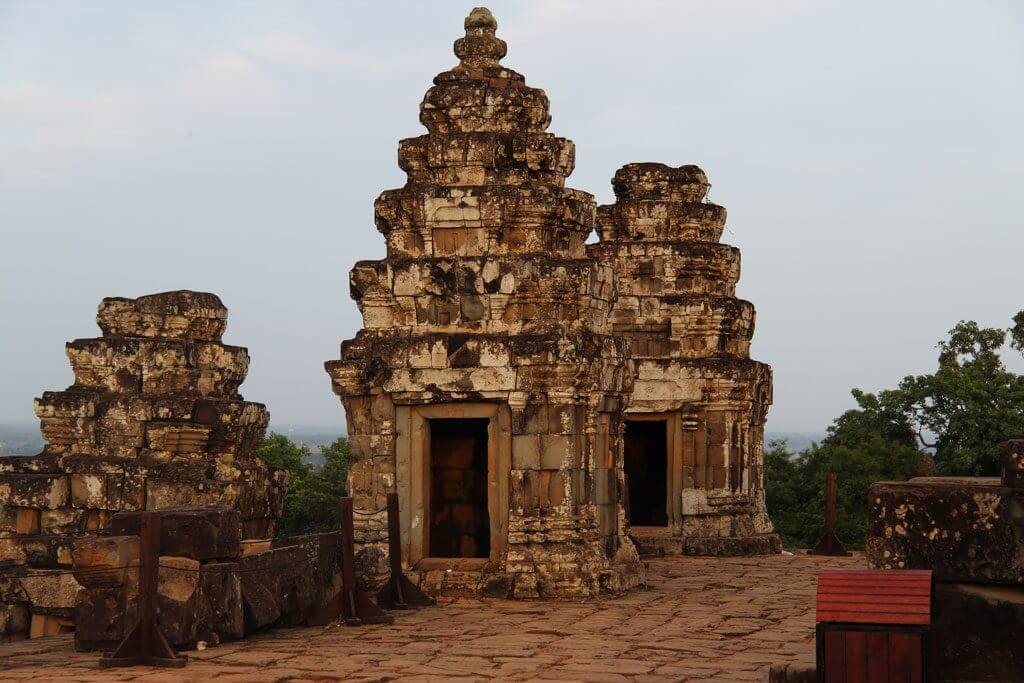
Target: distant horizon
(30, 424)
(30, 439)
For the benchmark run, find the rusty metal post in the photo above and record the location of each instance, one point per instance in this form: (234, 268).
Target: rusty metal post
(145, 643)
(829, 543)
(399, 592)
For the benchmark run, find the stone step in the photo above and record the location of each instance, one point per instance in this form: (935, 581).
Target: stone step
(740, 546)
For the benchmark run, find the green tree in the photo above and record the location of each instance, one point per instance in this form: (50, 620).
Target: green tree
(963, 411)
(278, 451)
(971, 403)
(314, 491)
(794, 483)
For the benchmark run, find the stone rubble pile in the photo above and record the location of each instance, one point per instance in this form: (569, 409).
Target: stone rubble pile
(212, 585)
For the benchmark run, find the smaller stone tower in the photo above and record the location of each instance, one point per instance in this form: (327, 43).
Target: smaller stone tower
(153, 420)
(694, 446)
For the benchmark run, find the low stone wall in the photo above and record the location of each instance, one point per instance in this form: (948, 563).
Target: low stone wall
(962, 528)
(212, 585)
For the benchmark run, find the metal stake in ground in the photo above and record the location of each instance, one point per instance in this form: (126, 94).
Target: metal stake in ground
(399, 592)
(829, 543)
(145, 643)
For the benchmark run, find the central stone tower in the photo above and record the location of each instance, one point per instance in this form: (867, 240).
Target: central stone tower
(485, 387)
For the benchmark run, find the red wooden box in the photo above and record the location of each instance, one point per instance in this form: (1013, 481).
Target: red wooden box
(873, 625)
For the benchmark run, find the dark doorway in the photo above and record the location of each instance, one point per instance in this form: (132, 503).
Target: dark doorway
(647, 469)
(460, 525)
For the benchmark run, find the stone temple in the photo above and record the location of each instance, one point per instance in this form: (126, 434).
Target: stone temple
(694, 442)
(491, 384)
(486, 385)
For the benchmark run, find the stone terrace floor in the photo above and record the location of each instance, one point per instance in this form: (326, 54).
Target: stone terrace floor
(705, 619)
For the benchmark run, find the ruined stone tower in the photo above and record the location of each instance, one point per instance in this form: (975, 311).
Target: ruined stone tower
(485, 387)
(153, 420)
(694, 442)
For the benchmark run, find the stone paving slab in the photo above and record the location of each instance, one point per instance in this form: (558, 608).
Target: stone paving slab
(702, 619)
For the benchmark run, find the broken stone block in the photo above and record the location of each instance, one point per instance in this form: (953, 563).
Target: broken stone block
(100, 618)
(221, 613)
(260, 605)
(284, 577)
(97, 491)
(41, 491)
(962, 528)
(14, 618)
(51, 589)
(11, 550)
(61, 521)
(49, 625)
(181, 314)
(10, 585)
(19, 521)
(101, 561)
(254, 546)
(179, 599)
(199, 533)
(40, 551)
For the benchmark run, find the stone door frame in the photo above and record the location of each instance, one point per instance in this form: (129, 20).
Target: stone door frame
(412, 462)
(673, 464)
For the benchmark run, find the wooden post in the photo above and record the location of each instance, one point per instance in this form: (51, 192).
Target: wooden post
(399, 592)
(352, 605)
(829, 543)
(145, 643)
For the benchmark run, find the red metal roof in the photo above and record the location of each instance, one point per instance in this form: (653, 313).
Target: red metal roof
(886, 596)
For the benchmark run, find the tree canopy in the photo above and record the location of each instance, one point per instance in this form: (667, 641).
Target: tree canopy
(314, 490)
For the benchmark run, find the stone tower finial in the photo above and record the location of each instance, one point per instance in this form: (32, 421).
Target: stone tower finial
(480, 47)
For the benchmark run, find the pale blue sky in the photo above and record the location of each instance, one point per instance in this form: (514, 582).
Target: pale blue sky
(869, 154)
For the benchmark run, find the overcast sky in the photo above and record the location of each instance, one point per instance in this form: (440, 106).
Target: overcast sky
(869, 154)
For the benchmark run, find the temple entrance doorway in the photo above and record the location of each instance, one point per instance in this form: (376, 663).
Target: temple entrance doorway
(646, 465)
(459, 523)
